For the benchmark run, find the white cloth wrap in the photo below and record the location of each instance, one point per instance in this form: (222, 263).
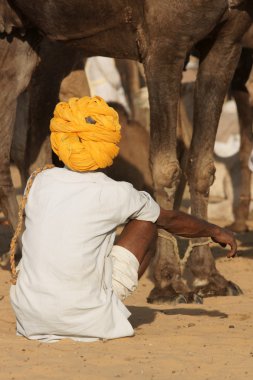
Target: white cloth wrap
(125, 268)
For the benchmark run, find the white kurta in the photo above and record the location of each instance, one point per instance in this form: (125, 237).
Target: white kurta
(64, 284)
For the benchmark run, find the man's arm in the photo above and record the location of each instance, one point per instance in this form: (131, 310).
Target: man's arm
(182, 224)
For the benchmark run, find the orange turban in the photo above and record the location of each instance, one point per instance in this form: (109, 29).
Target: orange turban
(85, 133)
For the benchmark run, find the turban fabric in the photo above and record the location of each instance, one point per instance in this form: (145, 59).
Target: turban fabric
(85, 133)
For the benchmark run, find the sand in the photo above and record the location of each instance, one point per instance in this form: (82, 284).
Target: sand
(210, 341)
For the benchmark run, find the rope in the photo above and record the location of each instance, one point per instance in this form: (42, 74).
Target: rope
(171, 239)
(14, 272)
(190, 247)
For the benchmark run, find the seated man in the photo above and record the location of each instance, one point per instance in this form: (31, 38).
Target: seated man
(72, 278)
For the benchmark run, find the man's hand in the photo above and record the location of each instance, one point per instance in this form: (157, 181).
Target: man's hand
(224, 237)
(189, 226)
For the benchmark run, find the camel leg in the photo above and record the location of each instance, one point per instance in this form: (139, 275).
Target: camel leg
(129, 74)
(183, 145)
(245, 115)
(20, 136)
(163, 80)
(212, 84)
(56, 62)
(17, 62)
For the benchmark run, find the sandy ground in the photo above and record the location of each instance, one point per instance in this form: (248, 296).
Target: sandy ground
(210, 341)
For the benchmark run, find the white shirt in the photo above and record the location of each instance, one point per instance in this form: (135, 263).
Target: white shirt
(63, 288)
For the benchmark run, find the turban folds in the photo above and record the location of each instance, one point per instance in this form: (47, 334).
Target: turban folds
(85, 133)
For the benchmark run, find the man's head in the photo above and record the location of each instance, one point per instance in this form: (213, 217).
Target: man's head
(85, 133)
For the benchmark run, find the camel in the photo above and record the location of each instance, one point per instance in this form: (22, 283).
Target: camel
(159, 34)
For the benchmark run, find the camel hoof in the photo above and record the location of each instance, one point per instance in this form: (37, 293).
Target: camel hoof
(163, 299)
(233, 289)
(192, 297)
(180, 299)
(210, 290)
(167, 296)
(159, 300)
(161, 295)
(197, 299)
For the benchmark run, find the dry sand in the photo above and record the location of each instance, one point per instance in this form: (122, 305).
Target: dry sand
(211, 341)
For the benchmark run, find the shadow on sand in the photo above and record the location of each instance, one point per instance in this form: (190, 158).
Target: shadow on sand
(142, 315)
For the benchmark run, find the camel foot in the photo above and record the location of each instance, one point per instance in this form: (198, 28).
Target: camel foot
(194, 298)
(180, 299)
(214, 289)
(169, 296)
(233, 289)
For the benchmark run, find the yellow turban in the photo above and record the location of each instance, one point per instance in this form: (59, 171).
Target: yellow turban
(85, 133)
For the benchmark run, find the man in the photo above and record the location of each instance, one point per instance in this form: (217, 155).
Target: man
(72, 279)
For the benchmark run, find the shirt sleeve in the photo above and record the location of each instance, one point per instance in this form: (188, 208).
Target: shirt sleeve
(129, 203)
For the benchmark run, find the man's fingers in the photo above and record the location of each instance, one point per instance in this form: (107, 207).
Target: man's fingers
(231, 254)
(233, 250)
(227, 238)
(223, 245)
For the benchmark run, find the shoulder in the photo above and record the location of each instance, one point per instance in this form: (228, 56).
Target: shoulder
(117, 186)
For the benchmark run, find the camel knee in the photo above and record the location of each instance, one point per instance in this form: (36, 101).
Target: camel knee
(166, 176)
(201, 177)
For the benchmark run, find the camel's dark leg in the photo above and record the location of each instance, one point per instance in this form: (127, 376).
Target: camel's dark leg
(19, 139)
(17, 62)
(163, 63)
(129, 74)
(245, 115)
(183, 145)
(217, 65)
(163, 80)
(56, 62)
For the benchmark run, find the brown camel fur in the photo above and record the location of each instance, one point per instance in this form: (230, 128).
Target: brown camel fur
(241, 95)
(159, 34)
(240, 92)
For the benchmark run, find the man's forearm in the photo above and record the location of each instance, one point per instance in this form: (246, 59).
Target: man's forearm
(180, 223)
